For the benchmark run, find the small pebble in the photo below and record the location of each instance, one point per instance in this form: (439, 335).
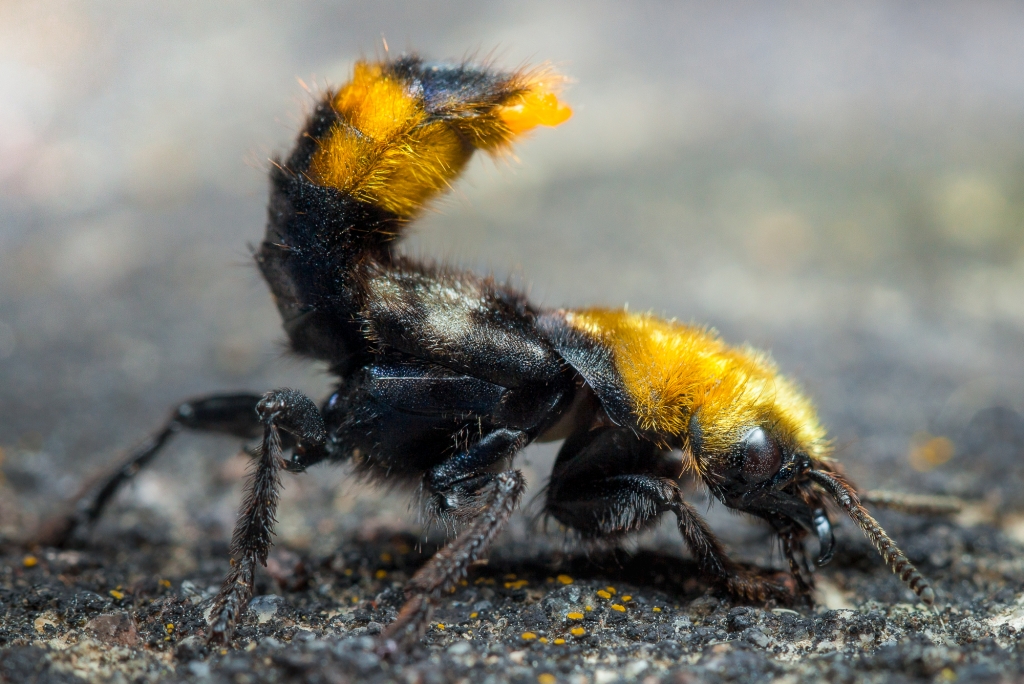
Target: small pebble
(265, 607)
(199, 669)
(757, 637)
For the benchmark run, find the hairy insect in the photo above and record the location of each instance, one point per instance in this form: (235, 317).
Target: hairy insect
(443, 376)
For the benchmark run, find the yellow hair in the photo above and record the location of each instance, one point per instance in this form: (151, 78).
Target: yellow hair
(671, 370)
(388, 151)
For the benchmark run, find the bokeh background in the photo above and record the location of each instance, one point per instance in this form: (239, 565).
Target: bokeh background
(842, 183)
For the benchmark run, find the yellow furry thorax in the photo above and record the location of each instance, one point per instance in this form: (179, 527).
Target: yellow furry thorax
(673, 371)
(389, 151)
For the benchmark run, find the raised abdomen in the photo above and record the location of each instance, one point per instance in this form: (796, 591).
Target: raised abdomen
(371, 156)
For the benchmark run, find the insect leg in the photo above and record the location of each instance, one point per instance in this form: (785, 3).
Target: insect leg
(456, 485)
(593, 491)
(791, 546)
(250, 544)
(462, 488)
(231, 414)
(718, 567)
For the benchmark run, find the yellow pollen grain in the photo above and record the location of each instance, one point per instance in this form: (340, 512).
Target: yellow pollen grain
(627, 598)
(546, 678)
(30, 561)
(559, 641)
(385, 557)
(169, 627)
(381, 574)
(610, 590)
(577, 631)
(463, 583)
(543, 640)
(588, 608)
(656, 609)
(564, 579)
(355, 599)
(117, 594)
(518, 584)
(574, 616)
(604, 594)
(166, 584)
(618, 607)
(440, 626)
(473, 616)
(528, 636)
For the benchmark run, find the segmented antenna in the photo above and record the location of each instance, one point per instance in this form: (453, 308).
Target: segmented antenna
(894, 558)
(917, 504)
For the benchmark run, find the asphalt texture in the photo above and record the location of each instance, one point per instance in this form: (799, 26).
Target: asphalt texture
(842, 187)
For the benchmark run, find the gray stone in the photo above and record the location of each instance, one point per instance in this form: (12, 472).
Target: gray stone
(265, 607)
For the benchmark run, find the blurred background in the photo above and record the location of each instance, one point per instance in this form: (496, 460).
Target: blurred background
(841, 183)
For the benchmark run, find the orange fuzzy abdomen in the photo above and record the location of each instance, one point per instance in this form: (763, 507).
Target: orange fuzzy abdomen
(390, 151)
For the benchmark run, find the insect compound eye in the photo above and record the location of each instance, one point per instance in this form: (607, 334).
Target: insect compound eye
(762, 456)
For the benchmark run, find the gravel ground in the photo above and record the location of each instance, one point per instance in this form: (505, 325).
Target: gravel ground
(117, 611)
(841, 185)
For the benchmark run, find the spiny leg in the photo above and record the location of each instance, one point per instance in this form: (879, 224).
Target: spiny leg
(230, 414)
(792, 535)
(460, 487)
(456, 486)
(253, 536)
(586, 495)
(792, 547)
(715, 563)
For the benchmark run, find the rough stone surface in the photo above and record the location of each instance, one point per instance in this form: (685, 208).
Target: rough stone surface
(109, 609)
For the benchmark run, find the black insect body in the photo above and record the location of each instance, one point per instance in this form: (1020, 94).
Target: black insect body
(444, 376)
